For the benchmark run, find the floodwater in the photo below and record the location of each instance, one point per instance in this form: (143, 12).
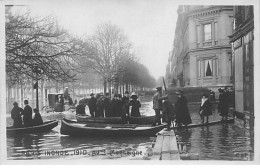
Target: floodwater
(219, 142)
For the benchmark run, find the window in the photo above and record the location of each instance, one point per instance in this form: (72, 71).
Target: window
(207, 32)
(216, 31)
(208, 68)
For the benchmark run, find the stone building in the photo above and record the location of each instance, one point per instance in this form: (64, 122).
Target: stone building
(242, 41)
(201, 54)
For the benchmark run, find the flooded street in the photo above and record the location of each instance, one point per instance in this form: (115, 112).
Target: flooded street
(217, 142)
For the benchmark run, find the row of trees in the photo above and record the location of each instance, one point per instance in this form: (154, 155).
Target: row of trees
(41, 43)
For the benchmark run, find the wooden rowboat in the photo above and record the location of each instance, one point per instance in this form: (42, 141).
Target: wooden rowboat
(229, 120)
(144, 120)
(74, 128)
(46, 126)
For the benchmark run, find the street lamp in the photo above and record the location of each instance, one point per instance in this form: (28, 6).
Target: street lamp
(37, 71)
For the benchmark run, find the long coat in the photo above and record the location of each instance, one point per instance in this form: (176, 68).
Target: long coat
(37, 120)
(27, 116)
(223, 104)
(100, 107)
(168, 110)
(107, 106)
(16, 116)
(80, 109)
(114, 110)
(92, 105)
(182, 112)
(206, 107)
(157, 101)
(135, 108)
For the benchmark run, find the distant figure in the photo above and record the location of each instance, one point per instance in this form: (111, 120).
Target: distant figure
(37, 120)
(61, 102)
(168, 111)
(80, 109)
(66, 93)
(205, 109)
(126, 100)
(27, 114)
(182, 112)
(135, 106)
(120, 105)
(16, 115)
(157, 105)
(100, 106)
(106, 104)
(223, 104)
(92, 105)
(212, 96)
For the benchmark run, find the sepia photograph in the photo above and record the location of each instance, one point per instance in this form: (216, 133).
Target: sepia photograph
(129, 81)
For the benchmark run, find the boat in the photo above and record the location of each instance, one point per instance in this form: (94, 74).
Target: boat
(107, 120)
(73, 128)
(144, 120)
(46, 126)
(229, 120)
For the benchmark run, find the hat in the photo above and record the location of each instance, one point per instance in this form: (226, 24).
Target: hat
(179, 92)
(126, 92)
(107, 94)
(35, 110)
(134, 97)
(159, 88)
(92, 94)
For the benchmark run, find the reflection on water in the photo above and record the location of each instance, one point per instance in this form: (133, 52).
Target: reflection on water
(218, 142)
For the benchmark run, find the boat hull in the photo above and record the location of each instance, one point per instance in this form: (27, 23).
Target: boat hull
(47, 126)
(73, 129)
(145, 120)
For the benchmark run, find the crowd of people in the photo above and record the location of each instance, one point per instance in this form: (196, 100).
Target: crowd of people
(119, 106)
(23, 117)
(178, 112)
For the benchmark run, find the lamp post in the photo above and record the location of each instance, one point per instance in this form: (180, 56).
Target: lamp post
(37, 71)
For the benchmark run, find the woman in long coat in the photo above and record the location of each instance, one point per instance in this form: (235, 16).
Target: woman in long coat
(135, 106)
(181, 110)
(205, 108)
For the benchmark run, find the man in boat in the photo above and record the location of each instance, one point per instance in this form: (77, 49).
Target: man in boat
(100, 106)
(125, 108)
(135, 112)
(181, 109)
(80, 109)
(16, 115)
(92, 105)
(157, 105)
(27, 114)
(106, 104)
(37, 120)
(168, 111)
(205, 109)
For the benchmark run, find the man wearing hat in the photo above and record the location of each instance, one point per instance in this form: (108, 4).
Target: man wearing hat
(125, 100)
(106, 104)
(92, 105)
(181, 109)
(157, 104)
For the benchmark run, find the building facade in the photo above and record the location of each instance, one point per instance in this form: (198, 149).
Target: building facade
(201, 54)
(242, 41)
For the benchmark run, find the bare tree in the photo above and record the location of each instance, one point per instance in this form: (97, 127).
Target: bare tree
(38, 42)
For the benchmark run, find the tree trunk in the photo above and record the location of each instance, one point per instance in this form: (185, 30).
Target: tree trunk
(105, 86)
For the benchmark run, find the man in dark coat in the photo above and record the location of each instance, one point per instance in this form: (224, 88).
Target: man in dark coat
(80, 109)
(126, 100)
(27, 115)
(114, 106)
(92, 105)
(37, 120)
(16, 115)
(157, 104)
(181, 109)
(100, 106)
(223, 104)
(107, 104)
(168, 111)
